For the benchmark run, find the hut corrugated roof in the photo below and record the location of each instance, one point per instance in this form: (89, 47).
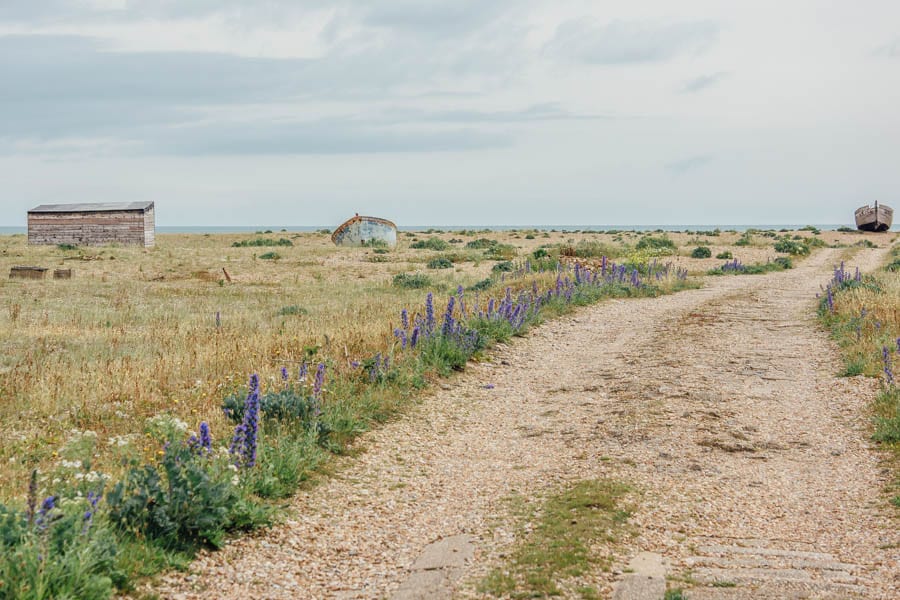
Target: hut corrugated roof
(91, 207)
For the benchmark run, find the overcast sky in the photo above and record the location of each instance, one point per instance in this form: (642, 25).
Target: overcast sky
(287, 112)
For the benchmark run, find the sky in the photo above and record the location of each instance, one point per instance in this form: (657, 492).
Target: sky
(452, 112)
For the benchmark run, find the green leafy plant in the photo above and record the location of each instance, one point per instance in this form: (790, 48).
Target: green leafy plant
(412, 281)
(481, 244)
(187, 499)
(501, 252)
(656, 243)
(792, 247)
(482, 285)
(439, 263)
(432, 243)
(701, 252)
(261, 242)
(745, 240)
(58, 549)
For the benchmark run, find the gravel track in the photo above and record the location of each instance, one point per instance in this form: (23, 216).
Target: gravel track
(720, 405)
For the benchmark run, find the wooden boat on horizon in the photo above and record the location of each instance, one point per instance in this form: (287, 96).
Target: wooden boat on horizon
(874, 218)
(362, 231)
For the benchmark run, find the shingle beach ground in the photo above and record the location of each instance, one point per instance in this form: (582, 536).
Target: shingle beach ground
(719, 405)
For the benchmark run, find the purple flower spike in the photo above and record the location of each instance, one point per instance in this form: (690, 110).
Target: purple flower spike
(404, 318)
(284, 374)
(237, 444)
(251, 423)
(319, 382)
(205, 437)
(888, 369)
(429, 314)
(47, 505)
(448, 317)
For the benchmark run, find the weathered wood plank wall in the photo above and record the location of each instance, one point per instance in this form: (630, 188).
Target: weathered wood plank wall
(92, 228)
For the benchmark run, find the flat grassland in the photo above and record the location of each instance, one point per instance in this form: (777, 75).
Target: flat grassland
(135, 333)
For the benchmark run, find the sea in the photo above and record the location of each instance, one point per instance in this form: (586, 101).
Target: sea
(202, 229)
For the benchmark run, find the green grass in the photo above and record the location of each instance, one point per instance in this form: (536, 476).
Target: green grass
(440, 263)
(887, 416)
(656, 243)
(792, 247)
(781, 263)
(432, 243)
(566, 530)
(292, 310)
(262, 242)
(412, 281)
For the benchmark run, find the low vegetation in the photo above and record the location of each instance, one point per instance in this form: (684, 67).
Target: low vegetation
(565, 537)
(173, 453)
(736, 267)
(133, 377)
(441, 262)
(432, 243)
(792, 247)
(863, 314)
(262, 242)
(657, 243)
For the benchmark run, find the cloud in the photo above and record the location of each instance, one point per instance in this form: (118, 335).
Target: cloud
(890, 50)
(449, 18)
(586, 40)
(318, 137)
(59, 88)
(422, 18)
(535, 113)
(703, 82)
(692, 163)
(72, 94)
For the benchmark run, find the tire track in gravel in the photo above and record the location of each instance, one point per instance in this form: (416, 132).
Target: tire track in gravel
(719, 403)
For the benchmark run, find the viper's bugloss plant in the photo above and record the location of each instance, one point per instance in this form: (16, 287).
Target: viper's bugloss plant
(183, 501)
(57, 551)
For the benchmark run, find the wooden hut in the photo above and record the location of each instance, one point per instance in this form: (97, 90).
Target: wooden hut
(131, 223)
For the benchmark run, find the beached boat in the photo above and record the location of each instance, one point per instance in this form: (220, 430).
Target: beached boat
(362, 231)
(874, 218)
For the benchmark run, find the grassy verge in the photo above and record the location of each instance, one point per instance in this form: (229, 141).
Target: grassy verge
(735, 267)
(863, 314)
(558, 540)
(178, 489)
